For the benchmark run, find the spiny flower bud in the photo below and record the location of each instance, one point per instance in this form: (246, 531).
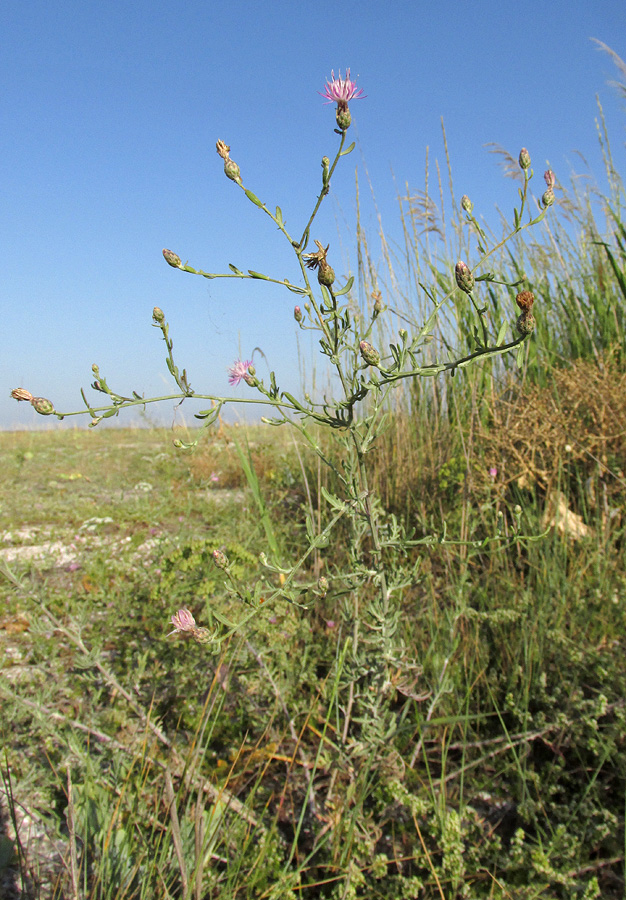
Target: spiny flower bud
(22, 394)
(42, 406)
(466, 204)
(524, 159)
(464, 278)
(220, 559)
(548, 198)
(172, 259)
(525, 300)
(526, 323)
(550, 178)
(325, 274)
(158, 315)
(369, 353)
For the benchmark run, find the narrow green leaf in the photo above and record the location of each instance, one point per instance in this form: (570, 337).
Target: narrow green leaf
(258, 275)
(335, 502)
(253, 198)
(344, 290)
(348, 149)
(235, 269)
(520, 356)
(279, 215)
(501, 333)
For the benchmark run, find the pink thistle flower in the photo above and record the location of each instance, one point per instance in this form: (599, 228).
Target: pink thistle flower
(238, 371)
(183, 620)
(493, 473)
(341, 90)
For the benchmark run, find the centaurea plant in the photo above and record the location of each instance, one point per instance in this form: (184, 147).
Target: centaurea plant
(381, 554)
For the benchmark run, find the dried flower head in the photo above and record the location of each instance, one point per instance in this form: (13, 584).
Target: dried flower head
(238, 371)
(325, 274)
(22, 394)
(525, 300)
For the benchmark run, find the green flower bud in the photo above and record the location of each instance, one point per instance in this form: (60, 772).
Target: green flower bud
(297, 314)
(526, 323)
(172, 259)
(343, 117)
(42, 406)
(231, 170)
(220, 559)
(464, 277)
(466, 204)
(548, 198)
(325, 274)
(158, 315)
(524, 159)
(369, 353)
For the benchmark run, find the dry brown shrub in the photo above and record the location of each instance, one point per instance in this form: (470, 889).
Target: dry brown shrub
(568, 434)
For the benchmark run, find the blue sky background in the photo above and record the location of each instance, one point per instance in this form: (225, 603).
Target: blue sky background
(109, 117)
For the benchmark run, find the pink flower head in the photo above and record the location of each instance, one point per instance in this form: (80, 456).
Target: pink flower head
(493, 472)
(238, 370)
(183, 620)
(341, 90)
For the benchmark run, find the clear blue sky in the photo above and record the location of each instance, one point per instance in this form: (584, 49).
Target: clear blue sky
(109, 116)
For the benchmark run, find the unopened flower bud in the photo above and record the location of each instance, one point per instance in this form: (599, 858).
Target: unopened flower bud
(466, 204)
(369, 353)
(22, 394)
(550, 178)
(526, 323)
(548, 198)
(158, 315)
(323, 585)
(251, 370)
(377, 297)
(42, 406)
(525, 300)
(464, 278)
(524, 159)
(297, 314)
(220, 559)
(231, 170)
(172, 259)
